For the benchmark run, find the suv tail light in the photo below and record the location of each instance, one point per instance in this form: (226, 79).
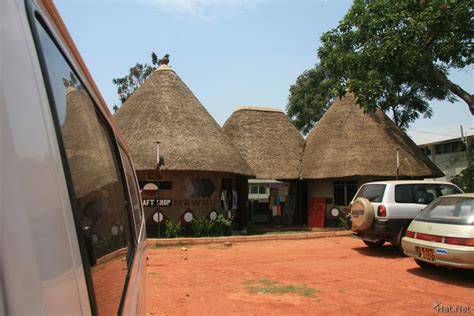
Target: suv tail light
(410, 234)
(381, 211)
(460, 241)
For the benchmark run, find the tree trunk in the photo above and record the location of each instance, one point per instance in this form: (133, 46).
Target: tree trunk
(454, 88)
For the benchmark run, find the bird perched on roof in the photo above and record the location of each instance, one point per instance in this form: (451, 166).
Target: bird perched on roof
(165, 60)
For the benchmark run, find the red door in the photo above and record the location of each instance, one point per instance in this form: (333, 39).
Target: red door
(316, 212)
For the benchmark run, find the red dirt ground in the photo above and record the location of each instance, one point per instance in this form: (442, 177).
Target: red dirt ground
(347, 278)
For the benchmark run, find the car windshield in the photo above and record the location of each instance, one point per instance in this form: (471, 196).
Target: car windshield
(449, 210)
(372, 192)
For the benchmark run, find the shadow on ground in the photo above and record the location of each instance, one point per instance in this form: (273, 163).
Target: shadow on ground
(388, 251)
(458, 277)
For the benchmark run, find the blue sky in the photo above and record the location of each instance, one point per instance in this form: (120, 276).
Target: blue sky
(230, 53)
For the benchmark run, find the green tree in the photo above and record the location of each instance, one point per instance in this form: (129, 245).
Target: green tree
(136, 77)
(398, 53)
(310, 97)
(316, 88)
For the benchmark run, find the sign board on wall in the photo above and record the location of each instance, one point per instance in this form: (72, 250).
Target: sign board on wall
(156, 202)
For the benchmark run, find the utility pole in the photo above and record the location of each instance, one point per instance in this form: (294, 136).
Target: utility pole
(158, 187)
(398, 163)
(463, 138)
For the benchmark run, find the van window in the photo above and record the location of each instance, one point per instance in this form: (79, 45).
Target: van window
(134, 195)
(372, 192)
(96, 187)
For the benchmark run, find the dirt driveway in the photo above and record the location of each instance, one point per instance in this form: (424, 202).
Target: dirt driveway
(329, 276)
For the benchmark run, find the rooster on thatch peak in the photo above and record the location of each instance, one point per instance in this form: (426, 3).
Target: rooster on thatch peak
(165, 60)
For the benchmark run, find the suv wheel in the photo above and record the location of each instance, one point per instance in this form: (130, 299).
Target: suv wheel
(399, 246)
(374, 244)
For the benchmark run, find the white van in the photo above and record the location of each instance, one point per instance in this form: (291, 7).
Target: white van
(71, 223)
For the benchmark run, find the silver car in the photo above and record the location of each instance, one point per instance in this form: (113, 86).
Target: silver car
(443, 233)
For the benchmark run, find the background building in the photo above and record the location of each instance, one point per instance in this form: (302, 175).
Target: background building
(451, 156)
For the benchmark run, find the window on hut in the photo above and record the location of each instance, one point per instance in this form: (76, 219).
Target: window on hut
(253, 189)
(344, 192)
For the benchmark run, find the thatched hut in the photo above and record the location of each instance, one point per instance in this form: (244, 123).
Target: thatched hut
(348, 148)
(198, 162)
(273, 148)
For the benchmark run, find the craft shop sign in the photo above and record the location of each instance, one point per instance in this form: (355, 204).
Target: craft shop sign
(156, 202)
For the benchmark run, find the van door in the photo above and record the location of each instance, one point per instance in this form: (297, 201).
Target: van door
(97, 184)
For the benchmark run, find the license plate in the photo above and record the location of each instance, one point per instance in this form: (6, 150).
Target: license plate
(426, 253)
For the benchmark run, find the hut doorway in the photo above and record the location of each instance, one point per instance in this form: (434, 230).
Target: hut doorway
(276, 203)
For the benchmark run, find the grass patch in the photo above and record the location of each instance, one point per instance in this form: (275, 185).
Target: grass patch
(153, 274)
(265, 286)
(157, 246)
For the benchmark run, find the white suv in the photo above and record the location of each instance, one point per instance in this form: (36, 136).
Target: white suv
(381, 211)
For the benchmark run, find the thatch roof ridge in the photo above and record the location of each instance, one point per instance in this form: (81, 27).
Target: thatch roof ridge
(268, 141)
(348, 143)
(164, 67)
(256, 108)
(165, 109)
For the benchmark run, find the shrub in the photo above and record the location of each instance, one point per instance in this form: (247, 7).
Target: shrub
(173, 229)
(221, 227)
(205, 227)
(201, 227)
(345, 222)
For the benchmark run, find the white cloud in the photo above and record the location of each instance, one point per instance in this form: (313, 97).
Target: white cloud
(203, 10)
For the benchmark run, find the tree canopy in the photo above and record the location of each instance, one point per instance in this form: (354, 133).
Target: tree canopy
(310, 97)
(394, 55)
(384, 49)
(135, 78)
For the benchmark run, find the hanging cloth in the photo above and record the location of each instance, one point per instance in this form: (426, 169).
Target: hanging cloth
(224, 200)
(234, 200)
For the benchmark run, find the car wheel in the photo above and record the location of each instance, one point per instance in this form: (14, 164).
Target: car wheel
(399, 246)
(424, 264)
(374, 244)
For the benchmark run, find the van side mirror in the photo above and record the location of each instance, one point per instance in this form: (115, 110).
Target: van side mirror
(89, 247)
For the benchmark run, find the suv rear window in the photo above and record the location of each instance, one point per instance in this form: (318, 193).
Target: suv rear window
(372, 192)
(422, 193)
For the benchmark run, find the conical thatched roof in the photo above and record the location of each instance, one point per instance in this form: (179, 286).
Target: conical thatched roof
(346, 143)
(164, 109)
(269, 142)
